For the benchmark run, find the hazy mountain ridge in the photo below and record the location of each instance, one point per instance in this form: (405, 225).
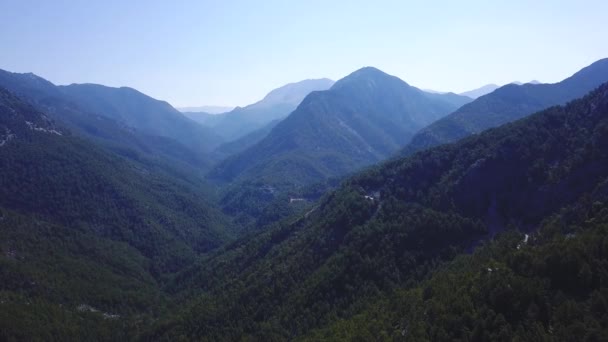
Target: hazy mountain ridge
(508, 103)
(481, 91)
(137, 110)
(88, 123)
(274, 106)
(362, 119)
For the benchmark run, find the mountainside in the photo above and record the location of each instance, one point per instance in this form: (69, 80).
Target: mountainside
(88, 123)
(506, 104)
(148, 115)
(481, 91)
(276, 105)
(388, 228)
(70, 181)
(362, 119)
(81, 226)
(548, 285)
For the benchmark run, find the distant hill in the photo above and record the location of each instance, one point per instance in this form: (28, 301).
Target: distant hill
(87, 121)
(508, 103)
(362, 119)
(481, 91)
(148, 115)
(276, 105)
(206, 109)
(244, 142)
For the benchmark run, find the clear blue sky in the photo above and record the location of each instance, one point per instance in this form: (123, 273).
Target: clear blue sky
(228, 52)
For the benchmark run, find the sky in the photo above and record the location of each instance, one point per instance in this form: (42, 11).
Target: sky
(231, 52)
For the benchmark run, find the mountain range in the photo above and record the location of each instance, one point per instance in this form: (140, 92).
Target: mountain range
(361, 119)
(117, 222)
(481, 91)
(508, 103)
(386, 229)
(275, 105)
(143, 113)
(104, 115)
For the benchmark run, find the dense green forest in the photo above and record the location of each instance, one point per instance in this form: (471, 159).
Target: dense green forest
(549, 285)
(88, 237)
(390, 227)
(500, 236)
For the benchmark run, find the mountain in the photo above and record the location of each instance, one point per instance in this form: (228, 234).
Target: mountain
(276, 105)
(90, 124)
(390, 228)
(551, 278)
(206, 109)
(481, 91)
(145, 114)
(508, 103)
(83, 230)
(49, 173)
(361, 119)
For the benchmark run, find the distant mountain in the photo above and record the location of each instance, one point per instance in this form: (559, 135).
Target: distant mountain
(361, 119)
(508, 103)
(385, 231)
(475, 93)
(89, 123)
(148, 115)
(206, 109)
(276, 105)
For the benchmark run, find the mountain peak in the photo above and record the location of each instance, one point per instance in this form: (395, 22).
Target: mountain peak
(367, 72)
(481, 91)
(369, 77)
(363, 118)
(508, 103)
